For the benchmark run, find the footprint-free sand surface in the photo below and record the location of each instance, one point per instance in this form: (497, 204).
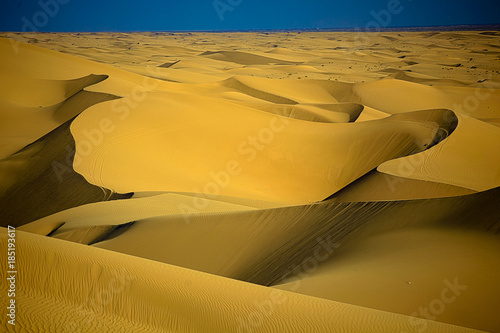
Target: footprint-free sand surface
(251, 182)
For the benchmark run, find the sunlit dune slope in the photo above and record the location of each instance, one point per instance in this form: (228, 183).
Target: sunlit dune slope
(31, 107)
(245, 152)
(396, 96)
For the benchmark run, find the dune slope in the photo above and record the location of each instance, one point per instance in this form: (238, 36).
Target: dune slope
(114, 292)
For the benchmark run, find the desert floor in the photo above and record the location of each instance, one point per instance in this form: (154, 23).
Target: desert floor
(251, 182)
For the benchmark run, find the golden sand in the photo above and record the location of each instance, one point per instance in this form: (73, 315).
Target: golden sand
(251, 182)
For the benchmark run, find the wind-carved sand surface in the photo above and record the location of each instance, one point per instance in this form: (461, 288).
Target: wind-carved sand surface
(252, 182)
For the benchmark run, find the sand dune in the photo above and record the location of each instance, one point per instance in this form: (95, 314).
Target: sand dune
(114, 292)
(42, 174)
(413, 96)
(46, 103)
(112, 214)
(385, 269)
(377, 186)
(243, 58)
(279, 238)
(232, 164)
(252, 182)
(275, 238)
(462, 159)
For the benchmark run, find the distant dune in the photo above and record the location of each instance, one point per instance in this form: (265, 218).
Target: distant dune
(251, 182)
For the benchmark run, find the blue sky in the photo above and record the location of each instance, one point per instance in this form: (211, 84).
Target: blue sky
(166, 15)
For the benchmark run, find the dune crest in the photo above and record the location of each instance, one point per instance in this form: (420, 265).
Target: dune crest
(461, 159)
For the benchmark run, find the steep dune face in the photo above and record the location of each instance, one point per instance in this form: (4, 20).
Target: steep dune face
(280, 173)
(36, 170)
(39, 180)
(277, 239)
(424, 272)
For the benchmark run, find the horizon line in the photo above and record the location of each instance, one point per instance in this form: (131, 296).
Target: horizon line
(454, 27)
